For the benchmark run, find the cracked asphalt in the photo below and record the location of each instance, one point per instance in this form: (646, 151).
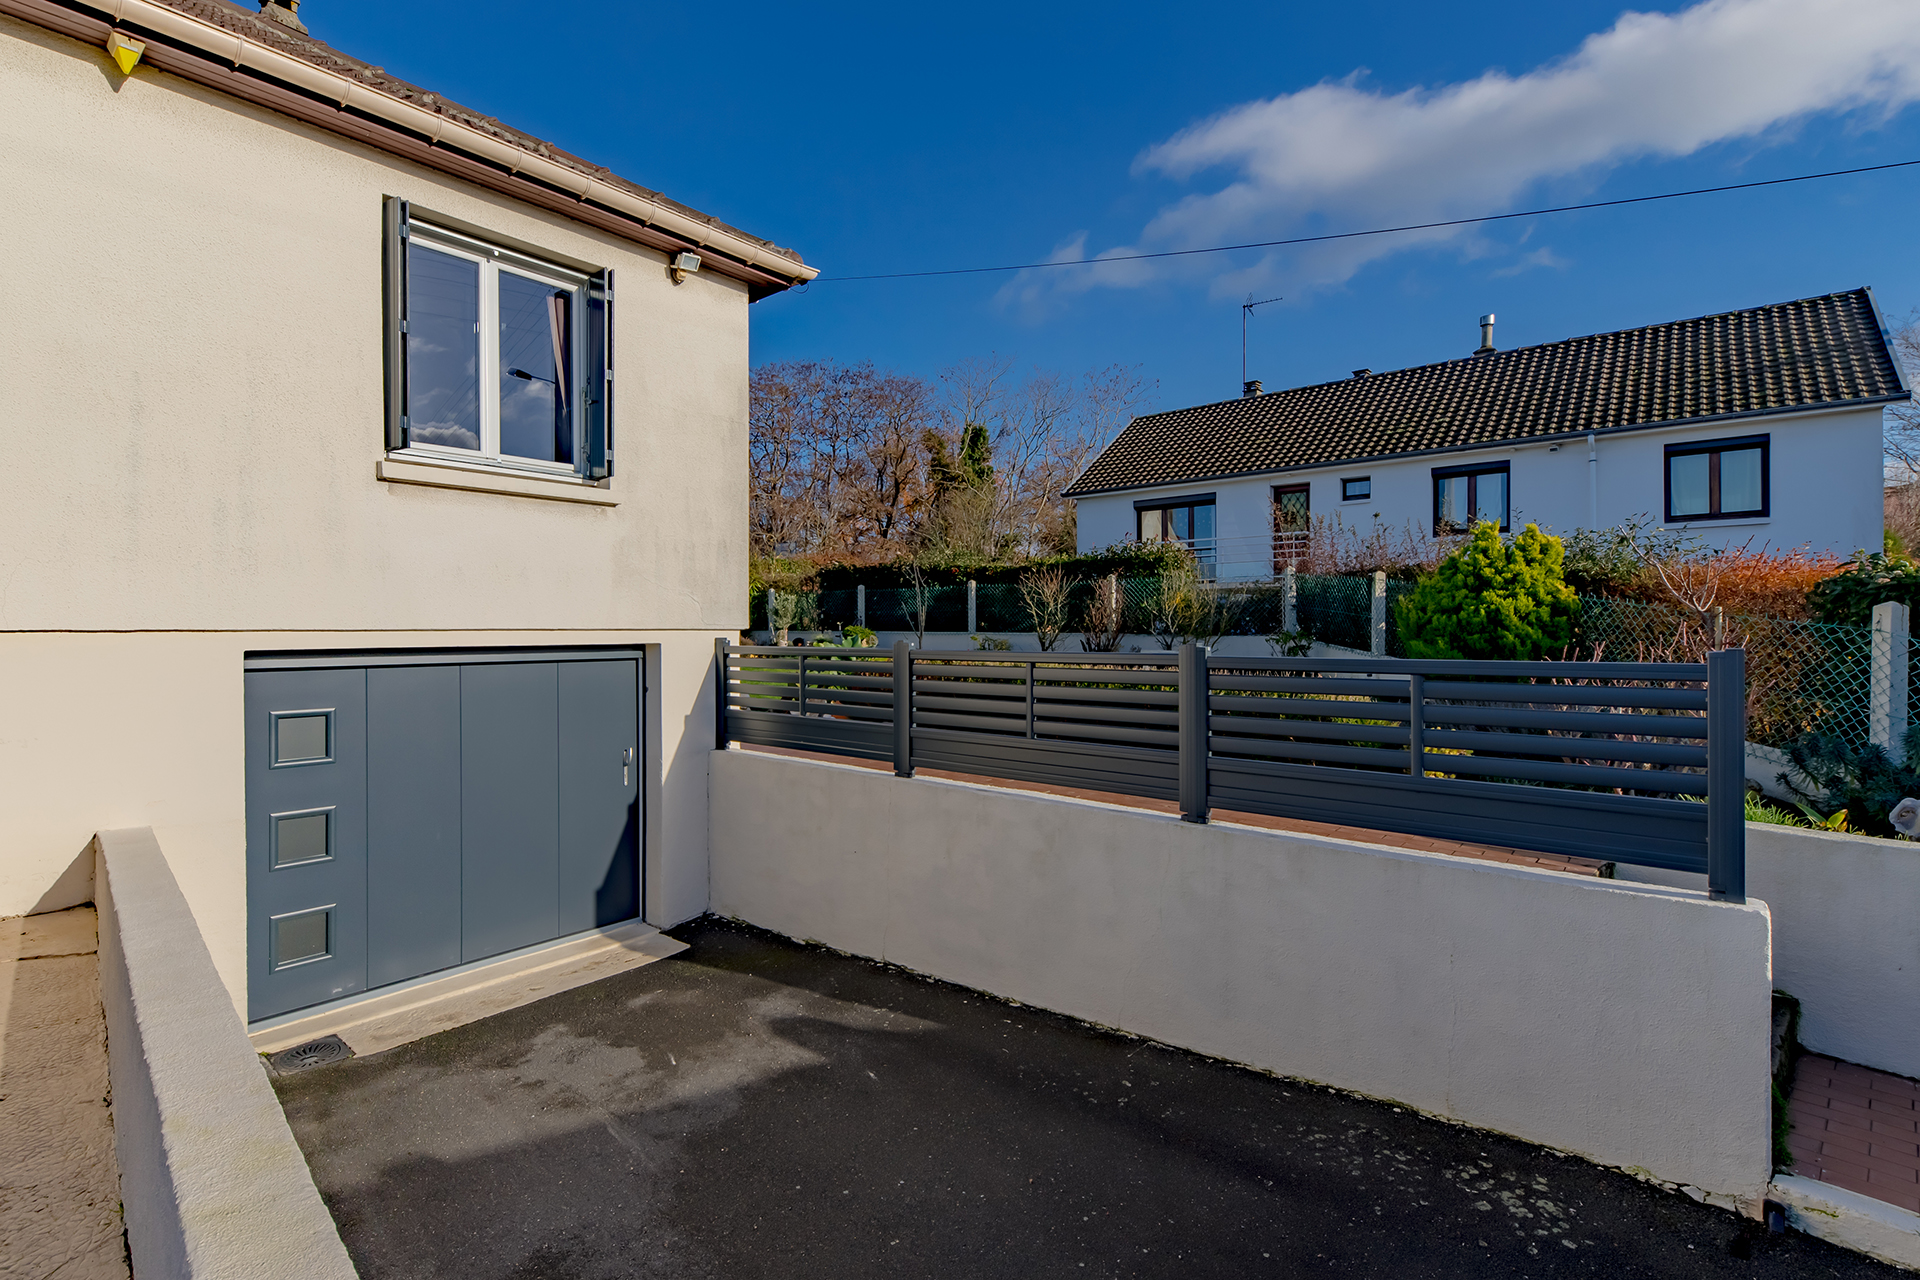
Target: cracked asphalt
(755, 1107)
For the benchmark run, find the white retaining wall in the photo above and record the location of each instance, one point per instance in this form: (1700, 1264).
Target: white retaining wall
(211, 1181)
(1625, 1023)
(1846, 937)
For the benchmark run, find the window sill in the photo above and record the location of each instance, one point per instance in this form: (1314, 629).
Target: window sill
(521, 484)
(1715, 522)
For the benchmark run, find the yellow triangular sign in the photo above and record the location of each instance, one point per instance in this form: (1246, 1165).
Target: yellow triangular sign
(126, 52)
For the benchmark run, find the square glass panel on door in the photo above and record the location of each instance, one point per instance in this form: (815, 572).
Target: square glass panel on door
(447, 811)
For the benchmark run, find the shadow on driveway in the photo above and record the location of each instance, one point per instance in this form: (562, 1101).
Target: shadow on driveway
(754, 1107)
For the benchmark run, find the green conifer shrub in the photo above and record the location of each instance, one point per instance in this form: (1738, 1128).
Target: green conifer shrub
(1493, 600)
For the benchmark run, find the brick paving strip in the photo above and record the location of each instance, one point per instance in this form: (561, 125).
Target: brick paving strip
(59, 1180)
(1392, 839)
(1856, 1128)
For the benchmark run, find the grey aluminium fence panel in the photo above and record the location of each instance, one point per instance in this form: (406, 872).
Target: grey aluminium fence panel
(1639, 829)
(1507, 754)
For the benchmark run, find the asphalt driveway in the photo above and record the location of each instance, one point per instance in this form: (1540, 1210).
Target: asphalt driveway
(754, 1107)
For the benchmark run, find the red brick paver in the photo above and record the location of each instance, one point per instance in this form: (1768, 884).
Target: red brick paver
(1857, 1128)
(1394, 839)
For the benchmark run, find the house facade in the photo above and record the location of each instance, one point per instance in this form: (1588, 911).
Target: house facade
(1760, 425)
(333, 550)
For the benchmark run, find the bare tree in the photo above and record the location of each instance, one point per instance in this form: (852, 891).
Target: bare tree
(1105, 624)
(1902, 441)
(835, 456)
(1045, 593)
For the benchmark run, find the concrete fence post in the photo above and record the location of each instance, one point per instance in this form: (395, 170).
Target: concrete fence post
(1194, 694)
(1887, 708)
(1379, 632)
(1289, 602)
(721, 686)
(1727, 774)
(860, 605)
(973, 606)
(902, 709)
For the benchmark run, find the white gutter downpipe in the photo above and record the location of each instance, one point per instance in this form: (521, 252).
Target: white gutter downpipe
(1593, 482)
(238, 50)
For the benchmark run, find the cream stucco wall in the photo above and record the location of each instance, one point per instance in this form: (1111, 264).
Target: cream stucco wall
(194, 416)
(195, 404)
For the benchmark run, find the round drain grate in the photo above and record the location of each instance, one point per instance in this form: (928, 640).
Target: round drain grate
(314, 1053)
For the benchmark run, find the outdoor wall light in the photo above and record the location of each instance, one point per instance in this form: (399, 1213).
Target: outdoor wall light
(125, 51)
(683, 265)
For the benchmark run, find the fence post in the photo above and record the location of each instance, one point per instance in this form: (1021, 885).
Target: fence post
(1379, 646)
(773, 633)
(1887, 680)
(1194, 691)
(1727, 774)
(973, 607)
(902, 709)
(722, 683)
(860, 604)
(1417, 725)
(1289, 602)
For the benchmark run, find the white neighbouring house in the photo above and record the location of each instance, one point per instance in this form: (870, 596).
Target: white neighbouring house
(317, 554)
(1760, 425)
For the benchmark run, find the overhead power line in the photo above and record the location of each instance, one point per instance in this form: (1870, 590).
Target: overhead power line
(1373, 231)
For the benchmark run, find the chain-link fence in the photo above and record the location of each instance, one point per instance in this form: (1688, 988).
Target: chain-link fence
(1802, 677)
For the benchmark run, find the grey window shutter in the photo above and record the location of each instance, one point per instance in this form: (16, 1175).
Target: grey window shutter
(596, 458)
(393, 280)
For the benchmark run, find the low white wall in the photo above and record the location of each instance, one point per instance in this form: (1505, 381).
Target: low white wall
(1069, 645)
(1846, 937)
(211, 1181)
(1625, 1023)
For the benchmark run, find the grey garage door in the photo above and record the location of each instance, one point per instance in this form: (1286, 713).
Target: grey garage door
(409, 813)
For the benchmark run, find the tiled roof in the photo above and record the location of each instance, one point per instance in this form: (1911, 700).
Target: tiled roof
(284, 39)
(1817, 351)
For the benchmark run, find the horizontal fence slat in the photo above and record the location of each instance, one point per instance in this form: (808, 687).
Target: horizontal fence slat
(1642, 830)
(1360, 687)
(1071, 730)
(1247, 728)
(1529, 744)
(1675, 726)
(1279, 749)
(1309, 707)
(1572, 694)
(1048, 692)
(1570, 775)
(1105, 714)
(1696, 671)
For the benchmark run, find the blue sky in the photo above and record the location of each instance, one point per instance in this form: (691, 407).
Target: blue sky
(878, 138)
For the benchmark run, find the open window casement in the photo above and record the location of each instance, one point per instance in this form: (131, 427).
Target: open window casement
(495, 356)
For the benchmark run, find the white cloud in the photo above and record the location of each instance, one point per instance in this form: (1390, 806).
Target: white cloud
(1339, 156)
(1541, 257)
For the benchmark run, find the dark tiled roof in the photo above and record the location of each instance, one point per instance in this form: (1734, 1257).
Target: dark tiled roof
(1817, 351)
(284, 39)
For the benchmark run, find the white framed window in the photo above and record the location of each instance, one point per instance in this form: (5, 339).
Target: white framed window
(495, 357)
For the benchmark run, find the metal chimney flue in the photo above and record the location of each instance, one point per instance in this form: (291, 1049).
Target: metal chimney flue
(1486, 335)
(1250, 389)
(284, 12)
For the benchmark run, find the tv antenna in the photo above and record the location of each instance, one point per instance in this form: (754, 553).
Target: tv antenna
(1246, 309)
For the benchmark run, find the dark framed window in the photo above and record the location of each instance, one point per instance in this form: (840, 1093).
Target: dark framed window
(1464, 496)
(1719, 479)
(1188, 521)
(1292, 523)
(1356, 488)
(495, 356)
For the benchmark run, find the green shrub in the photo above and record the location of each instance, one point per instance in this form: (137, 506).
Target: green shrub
(1493, 600)
(1867, 580)
(1859, 778)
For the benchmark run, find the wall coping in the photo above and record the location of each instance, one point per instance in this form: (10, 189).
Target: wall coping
(211, 1179)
